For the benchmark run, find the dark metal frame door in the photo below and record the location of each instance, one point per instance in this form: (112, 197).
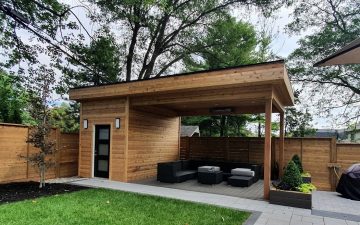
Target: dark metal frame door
(102, 151)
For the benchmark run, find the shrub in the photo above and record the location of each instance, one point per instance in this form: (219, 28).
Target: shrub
(298, 163)
(292, 177)
(307, 188)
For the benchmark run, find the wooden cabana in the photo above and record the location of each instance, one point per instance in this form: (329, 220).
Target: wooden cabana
(129, 127)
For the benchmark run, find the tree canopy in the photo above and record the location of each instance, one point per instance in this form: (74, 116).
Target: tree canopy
(332, 24)
(13, 104)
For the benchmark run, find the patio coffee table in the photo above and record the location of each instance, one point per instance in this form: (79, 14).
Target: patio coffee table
(240, 181)
(210, 177)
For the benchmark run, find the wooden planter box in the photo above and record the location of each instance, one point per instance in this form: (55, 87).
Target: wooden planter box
(290, 198)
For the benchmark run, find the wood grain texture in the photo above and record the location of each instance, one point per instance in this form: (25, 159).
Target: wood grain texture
(13, 144)
(267, 149)
(271, 74)
(103, 112)
(153, 138)
(315, 153)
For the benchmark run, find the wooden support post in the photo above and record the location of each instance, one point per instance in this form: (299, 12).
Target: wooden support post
(281, 145)
(267, 149)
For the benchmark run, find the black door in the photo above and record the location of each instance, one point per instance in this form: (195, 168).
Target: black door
(102, 151)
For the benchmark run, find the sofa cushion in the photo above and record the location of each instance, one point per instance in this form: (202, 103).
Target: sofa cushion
(185, 175)
(243, 172)
(208, 169)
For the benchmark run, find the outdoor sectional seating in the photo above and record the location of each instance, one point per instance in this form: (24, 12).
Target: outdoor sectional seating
(180, 171)
(175, 172)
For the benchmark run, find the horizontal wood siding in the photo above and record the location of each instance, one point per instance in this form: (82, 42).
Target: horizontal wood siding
(13, 144)
(69, 155)
(153, 138)
(347, 155)
(315, 153)
(103, 112)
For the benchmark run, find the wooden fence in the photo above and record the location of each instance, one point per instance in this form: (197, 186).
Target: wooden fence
(318, 154)
(13, 144)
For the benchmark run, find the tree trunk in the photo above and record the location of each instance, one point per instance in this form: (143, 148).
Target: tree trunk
(130, 56)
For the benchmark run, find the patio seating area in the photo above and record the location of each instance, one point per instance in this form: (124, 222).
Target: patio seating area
(209, 172)
(255, 192)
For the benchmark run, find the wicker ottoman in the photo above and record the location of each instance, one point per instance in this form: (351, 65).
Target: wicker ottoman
(240, 181)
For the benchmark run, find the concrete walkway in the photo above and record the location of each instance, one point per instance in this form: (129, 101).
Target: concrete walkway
(265, 213)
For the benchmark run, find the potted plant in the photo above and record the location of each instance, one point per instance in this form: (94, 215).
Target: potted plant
(291, 191)
(306, 176)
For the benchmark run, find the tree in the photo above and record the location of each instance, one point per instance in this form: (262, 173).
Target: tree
(66, 117)
(333, 24)
(297, 121)
(161, 33)
(292, 177)
(39, 135)
(296, 159)
(32, 17)
(230, 43)
(13, 100)
(101, 57)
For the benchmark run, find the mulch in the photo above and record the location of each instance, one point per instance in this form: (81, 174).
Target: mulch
(19, 191)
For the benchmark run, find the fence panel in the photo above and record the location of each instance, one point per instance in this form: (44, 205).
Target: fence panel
(316, 153)
(13, 144)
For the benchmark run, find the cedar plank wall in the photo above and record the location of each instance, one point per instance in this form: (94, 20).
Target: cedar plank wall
(347, 154)
(13, 143)
(315, 152)
(103, 112)
(153, 138)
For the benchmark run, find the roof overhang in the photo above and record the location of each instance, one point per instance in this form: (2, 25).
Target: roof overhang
(350, 54)
(244, 89)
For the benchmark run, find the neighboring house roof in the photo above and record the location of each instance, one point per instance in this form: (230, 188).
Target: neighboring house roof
(338, 133)
(189, 131)
(357, 128)
(349, 54)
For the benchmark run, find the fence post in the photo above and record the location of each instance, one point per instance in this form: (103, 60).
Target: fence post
(27, 153)
(57, 153)
(187, 152)
(333, 159)
(301, 149)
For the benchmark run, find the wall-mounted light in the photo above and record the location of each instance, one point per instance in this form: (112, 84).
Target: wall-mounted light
(117, 123)
(85, 124)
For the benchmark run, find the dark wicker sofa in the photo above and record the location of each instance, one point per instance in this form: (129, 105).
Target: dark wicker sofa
(183, 170)
(174, 172)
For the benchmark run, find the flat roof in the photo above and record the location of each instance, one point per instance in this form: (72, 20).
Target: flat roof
(242, 89)
(349, 54)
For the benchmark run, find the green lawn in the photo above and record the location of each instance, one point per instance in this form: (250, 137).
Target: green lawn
(99, 206)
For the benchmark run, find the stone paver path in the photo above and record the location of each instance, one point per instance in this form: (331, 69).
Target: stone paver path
(327, 203)
(269, 214)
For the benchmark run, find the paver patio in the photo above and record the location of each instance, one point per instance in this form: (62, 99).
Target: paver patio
(265, 213)
(336, 206)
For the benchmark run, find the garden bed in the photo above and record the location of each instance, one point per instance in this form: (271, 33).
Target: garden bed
(290, 198)
(19, 191)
